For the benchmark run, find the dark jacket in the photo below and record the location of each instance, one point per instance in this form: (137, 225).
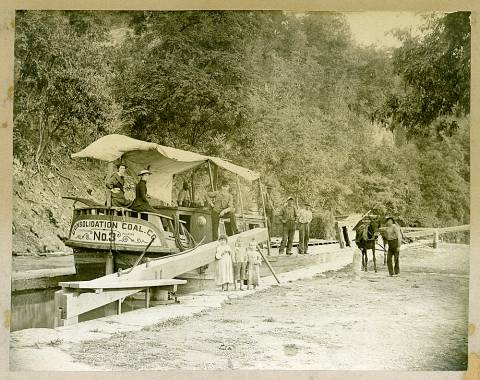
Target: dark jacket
(288, 214)
(117, 182)
(141, 203)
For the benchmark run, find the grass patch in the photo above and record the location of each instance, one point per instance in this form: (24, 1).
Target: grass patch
(290, 349)
(227, 320)
(170, 323)
(55, 342)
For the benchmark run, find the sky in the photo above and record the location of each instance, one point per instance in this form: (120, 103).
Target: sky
(371, 27)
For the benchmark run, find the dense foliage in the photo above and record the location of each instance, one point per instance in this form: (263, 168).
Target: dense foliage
(435, 69)
(61, 82)
(346, 127)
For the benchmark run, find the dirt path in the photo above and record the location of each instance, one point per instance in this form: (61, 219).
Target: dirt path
(417, 321)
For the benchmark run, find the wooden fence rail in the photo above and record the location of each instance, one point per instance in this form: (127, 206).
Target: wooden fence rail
(433, 231)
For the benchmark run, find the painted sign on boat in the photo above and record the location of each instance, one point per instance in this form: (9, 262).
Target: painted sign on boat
(111, 231)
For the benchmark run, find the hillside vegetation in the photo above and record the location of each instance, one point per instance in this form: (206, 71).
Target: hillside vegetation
(349, 128)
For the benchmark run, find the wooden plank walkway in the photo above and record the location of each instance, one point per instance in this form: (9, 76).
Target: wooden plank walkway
(120, 284)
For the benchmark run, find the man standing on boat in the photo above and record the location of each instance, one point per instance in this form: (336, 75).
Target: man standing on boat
(304, 219)
(115, 184)
(141, 203)
(222, 206)
(288, 216)
(183, 199)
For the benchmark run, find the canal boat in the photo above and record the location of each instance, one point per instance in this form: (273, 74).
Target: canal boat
(106, 239)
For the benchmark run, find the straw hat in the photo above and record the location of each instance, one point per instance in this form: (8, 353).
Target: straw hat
(143, 172)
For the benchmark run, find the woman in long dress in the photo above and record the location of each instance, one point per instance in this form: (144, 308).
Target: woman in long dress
(140, 203)
(253, 265)
(224, 263)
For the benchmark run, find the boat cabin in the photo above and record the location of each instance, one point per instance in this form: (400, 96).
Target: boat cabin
(99, 230)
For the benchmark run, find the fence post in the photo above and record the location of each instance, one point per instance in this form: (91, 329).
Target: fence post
(357, 263)
(435, 239)
(339, 235)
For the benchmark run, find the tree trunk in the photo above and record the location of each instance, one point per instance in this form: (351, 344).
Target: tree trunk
(41, 137)
(44, 138)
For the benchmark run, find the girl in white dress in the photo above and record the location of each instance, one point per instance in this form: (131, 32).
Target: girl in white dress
(224, 263)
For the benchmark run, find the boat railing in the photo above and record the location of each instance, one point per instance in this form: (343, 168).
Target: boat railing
(123, 212)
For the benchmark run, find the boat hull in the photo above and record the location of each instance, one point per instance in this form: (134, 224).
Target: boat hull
(91, 264)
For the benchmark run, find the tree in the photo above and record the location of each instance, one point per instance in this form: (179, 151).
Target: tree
(435, 69)
(61, 91)
(182, 76)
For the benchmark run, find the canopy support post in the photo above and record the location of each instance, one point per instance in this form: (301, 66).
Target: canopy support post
(192, 188)
(108, 193)
(241, 204)
(109, 263)
(264, 214)
(210, 175)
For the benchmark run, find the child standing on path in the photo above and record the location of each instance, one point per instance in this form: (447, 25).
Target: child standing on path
(224, 263)
(253, 264)
(239, 263)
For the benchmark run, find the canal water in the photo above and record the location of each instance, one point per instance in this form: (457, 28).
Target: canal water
(31, 309)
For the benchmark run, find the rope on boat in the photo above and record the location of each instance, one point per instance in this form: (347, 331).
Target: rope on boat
(178, 241)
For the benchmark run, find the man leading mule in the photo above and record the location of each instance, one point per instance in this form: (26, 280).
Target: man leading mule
(366, 235)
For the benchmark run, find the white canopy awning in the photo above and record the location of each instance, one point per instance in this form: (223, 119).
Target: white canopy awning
(164, 161)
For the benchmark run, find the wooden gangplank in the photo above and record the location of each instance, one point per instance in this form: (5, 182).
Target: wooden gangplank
(100, 284)
(71, 301)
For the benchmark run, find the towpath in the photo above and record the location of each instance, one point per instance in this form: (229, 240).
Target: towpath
(417, 321)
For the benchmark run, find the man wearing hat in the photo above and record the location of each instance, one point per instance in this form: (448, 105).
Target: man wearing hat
(304, 218)
(222, 206)
(141, 202)
(288, 216)
(115, 184)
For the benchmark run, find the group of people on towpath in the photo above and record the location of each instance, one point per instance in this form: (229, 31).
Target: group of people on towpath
(240, 265)
(291, 218)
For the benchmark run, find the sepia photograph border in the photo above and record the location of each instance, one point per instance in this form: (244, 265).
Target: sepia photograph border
(7, 32)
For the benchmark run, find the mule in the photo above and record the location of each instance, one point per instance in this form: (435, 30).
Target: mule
(366, 235)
